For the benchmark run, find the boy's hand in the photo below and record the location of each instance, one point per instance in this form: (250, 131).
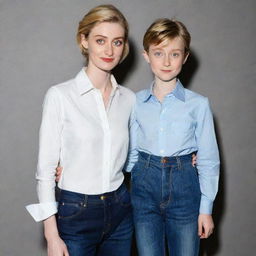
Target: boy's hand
(194, 159)
(205, 225)
(58, 173)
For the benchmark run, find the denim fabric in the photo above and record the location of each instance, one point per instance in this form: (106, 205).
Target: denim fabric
(96, 224)
(165, 198)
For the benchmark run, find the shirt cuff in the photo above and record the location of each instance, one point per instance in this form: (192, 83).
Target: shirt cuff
(42, 211)
(205, 206)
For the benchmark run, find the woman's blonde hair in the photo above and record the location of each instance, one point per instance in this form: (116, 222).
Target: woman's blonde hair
(99, 14)
(163, 29)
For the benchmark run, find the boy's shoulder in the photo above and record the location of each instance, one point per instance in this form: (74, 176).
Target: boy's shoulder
(142, 94)
(194, 96)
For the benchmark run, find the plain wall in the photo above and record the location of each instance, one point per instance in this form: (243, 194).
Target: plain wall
(38, 49)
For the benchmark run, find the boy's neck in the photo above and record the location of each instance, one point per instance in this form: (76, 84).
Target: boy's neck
(162, 88)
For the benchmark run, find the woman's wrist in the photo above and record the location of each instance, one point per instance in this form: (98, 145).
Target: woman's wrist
(50, 228)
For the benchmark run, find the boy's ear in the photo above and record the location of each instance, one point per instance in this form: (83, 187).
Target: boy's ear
(185, 59)
(145, 55)
(84, 41)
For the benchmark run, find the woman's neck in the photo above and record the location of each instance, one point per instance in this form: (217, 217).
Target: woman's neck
(99, 78)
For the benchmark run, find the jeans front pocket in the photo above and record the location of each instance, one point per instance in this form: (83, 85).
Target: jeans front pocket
(138, 171)
(124, 198)
(69, 210)
(71, 204)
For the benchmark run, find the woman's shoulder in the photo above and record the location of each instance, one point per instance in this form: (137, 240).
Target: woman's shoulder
(126, 91)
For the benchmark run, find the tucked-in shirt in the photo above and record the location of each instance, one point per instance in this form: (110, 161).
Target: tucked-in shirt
(88, 140)
(181, 124)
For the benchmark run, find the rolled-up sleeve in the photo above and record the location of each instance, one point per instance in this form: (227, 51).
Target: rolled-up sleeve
(48, 158)
(207, 157)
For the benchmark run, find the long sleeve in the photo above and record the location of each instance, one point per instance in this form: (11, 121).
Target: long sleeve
(48, 158)
(133, 152)
(207, 157)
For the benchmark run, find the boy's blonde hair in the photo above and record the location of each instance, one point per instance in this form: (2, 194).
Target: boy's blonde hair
(163, 29)
(99, 14)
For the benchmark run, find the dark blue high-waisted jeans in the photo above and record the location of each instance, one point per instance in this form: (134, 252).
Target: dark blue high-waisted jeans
(165, 198)
(96, 224)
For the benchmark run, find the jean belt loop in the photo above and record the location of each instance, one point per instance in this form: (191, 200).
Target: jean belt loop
(178, 162)
(148, 161)
(85, 200)
(116, 192)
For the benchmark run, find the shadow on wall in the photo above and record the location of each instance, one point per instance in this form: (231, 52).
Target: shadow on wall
(189, 70)
(212, 245)
(124, 69)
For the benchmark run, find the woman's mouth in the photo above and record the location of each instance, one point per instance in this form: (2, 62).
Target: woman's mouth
(107, 59)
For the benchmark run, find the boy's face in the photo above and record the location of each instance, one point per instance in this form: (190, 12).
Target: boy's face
(166, 59)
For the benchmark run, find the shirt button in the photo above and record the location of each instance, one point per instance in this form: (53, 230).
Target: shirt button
(161, 129)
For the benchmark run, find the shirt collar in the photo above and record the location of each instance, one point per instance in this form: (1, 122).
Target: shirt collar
(178, 92)
(84, 85)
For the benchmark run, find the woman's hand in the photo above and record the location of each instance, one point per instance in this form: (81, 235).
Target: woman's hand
(194, 158)
(56, 247)
(58, 173)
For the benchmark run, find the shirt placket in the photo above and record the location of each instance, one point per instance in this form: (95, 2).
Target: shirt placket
(162, 130)
(106, 170)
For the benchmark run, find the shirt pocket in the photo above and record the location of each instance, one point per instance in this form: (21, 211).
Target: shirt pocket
(182, 127)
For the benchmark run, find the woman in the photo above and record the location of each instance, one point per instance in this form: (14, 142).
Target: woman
(85, 129)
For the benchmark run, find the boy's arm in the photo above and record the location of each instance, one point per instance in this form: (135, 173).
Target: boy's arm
(207, 157)
(208, 168)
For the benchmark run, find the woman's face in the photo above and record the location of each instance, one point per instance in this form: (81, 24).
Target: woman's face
(105, 45)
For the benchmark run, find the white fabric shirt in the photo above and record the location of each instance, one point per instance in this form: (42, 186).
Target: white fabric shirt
(88, 140)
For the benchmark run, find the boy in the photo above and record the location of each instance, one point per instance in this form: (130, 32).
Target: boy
(171, 198)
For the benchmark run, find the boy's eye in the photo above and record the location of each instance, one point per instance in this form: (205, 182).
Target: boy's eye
(175, 54)
(158, 54)
(118, 42)
(100, 41)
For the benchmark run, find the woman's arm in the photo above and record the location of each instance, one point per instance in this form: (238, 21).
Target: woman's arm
(55, 245)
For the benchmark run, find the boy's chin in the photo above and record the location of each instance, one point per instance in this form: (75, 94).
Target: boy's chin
(167, 80)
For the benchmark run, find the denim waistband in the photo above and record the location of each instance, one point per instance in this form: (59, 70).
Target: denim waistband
(167, 160)
(117, 192)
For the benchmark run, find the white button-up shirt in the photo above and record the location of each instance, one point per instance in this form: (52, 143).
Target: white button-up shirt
(88, 140)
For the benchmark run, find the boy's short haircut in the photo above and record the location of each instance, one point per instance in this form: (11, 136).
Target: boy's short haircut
(163, 29)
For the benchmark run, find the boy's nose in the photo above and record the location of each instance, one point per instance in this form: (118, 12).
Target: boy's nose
(167, 61)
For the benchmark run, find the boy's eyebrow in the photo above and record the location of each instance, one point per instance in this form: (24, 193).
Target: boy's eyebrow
(161, 48)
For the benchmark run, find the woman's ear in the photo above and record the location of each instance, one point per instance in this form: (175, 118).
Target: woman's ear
(145, 55)
(84, 41)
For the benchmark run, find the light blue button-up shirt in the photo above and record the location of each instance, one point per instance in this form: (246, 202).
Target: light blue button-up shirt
(179, 125)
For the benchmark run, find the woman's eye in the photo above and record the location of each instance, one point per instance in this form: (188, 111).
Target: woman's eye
(118, 42)
(100, 41)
